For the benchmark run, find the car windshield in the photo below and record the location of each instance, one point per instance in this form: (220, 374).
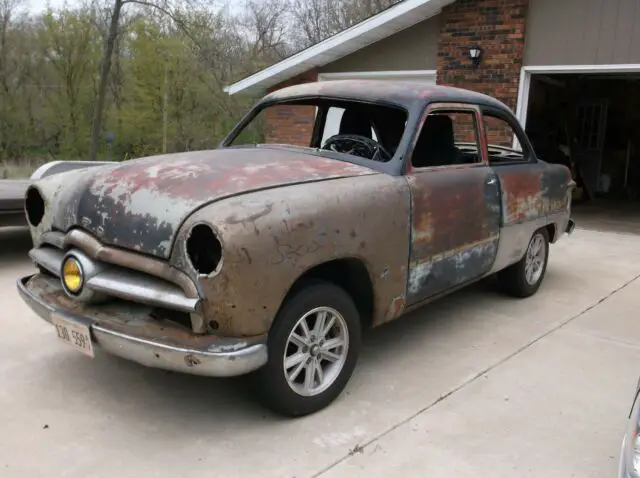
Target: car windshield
(370, 131)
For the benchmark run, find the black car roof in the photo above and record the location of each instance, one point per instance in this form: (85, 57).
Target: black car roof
(402, 93)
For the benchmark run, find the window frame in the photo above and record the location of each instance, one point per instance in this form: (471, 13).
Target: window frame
(520, 136)
(319, 120)
(451, 107)
(393, 167)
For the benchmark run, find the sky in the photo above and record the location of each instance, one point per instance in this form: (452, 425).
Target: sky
(37, 6)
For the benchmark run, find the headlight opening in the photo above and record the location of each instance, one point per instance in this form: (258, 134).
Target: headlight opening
(204, 249)
(34, 206)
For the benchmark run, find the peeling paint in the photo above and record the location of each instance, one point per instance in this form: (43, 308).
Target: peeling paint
(456, 217)
(140, 204)
(265, 257)
(396, 308)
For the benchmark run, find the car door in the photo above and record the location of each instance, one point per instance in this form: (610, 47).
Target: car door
(455, 202)
(523, 182)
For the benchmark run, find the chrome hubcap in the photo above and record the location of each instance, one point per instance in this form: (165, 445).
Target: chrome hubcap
(534, 261)
(316, 351)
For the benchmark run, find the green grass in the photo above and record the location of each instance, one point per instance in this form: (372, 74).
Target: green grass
(21, 169)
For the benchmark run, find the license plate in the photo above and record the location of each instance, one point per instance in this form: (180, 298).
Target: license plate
(73, 333)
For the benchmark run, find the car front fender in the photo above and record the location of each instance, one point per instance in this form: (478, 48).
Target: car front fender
(271, 238)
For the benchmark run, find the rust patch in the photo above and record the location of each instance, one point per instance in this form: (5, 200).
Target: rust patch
(456, 219)
(450, 209)
(298, 234)
(521, 193)
(140, 204)
(136, 320)
(191, 360)
(395, 309)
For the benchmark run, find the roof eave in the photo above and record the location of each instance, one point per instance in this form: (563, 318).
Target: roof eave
(373, 29)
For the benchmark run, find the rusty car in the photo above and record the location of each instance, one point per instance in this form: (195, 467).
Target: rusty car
(269, 255)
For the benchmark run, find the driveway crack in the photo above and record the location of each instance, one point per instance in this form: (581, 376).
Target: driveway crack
(361, 446)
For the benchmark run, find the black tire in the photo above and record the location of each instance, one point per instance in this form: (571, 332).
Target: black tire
(273, 388)
(513, 279)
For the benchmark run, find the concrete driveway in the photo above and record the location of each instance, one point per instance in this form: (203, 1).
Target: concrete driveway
(476, 384)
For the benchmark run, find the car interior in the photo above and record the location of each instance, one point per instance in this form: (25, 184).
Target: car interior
(366, 130)
(362, 126)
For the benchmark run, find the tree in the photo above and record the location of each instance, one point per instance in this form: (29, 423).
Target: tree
(316, 20)
(162, 88)
(105, 65)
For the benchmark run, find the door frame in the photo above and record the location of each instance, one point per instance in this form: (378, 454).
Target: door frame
(417, 267)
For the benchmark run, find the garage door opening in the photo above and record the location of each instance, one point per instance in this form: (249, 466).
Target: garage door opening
(591, 123)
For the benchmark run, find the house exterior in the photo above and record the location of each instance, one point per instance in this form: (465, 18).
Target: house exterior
(430, 40)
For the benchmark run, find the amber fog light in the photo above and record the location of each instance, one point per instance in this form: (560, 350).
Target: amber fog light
(72, 276)
(34, 206)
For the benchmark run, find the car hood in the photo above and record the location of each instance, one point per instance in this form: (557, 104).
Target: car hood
(140, 204)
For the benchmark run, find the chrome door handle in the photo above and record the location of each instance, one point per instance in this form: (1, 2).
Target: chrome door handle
(491, 181)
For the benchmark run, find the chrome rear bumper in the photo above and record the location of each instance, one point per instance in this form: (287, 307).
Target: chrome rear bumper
(128, 331)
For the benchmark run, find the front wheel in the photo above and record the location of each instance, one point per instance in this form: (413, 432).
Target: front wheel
(523, 278)
(313, 348)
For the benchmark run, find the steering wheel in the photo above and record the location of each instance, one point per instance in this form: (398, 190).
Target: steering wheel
(358, 146)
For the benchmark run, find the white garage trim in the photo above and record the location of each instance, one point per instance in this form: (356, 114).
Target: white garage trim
(527, 71)
(429, 75)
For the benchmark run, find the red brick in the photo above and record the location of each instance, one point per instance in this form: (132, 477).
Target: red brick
(291, 124)
(498, 27)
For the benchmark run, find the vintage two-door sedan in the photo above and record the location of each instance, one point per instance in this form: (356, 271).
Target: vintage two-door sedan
(270, 258)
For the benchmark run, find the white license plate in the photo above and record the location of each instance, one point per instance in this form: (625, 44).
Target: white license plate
(73, 333)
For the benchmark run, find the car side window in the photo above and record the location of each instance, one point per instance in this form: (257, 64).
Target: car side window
(332, 124)
(447, 137)
(503, 143)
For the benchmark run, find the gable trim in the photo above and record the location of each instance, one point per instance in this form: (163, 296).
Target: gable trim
(385, 24)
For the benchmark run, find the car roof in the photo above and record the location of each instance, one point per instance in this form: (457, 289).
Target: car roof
(402, 93)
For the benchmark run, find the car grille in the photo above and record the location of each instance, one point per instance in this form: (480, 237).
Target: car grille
(111, 280)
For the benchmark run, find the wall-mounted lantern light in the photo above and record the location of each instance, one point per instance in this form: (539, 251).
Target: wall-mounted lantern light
(475, 53)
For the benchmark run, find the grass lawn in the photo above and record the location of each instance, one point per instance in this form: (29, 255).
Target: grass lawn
(21, 169)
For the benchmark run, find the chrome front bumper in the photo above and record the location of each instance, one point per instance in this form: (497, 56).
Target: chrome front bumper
(129, 331)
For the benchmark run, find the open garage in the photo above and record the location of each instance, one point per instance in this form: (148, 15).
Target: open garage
(588, 118)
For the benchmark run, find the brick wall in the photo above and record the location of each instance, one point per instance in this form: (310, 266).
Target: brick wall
(498, 27)
(290, 124)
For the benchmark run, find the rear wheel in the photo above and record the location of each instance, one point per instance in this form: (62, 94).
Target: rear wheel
(313, 348)
(523, 278)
